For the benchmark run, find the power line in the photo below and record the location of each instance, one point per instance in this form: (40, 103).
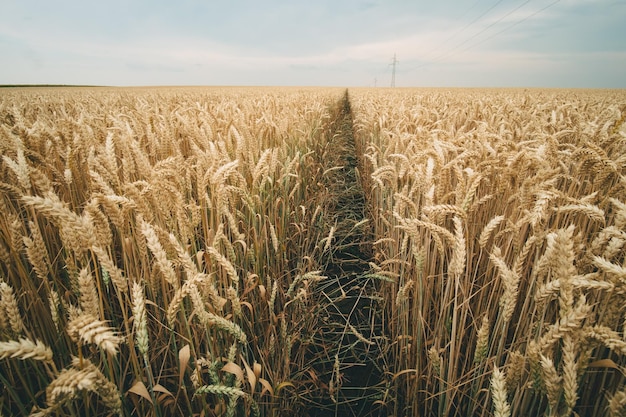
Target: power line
(483, 14)
(453, 50)
(393, 72)
(511, 26)
(449, 38)
(450, 52)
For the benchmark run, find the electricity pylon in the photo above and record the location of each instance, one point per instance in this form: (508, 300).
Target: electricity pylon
(393, 71)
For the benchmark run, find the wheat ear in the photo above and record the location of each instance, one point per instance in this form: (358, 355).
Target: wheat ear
(457, 264)
(8, 306)
(617, 404)
(140, 325)
(482, 341)
(499, 395)
(164, 264)
(83, 376)
(88, 294)
(25, 349)
(87, 328)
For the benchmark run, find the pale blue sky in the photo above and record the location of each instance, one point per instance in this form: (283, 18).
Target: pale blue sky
(472, 43)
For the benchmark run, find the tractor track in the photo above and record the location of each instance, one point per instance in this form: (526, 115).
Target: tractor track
(349, 309)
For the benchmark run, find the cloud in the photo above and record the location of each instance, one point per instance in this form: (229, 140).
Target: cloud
(313, 42)
(304, 67)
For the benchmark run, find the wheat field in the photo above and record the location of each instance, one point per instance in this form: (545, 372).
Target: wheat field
(197, 251)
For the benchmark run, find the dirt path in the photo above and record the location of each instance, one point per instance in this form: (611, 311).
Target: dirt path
(347, 300)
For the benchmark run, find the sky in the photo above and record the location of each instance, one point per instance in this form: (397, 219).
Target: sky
(347, 43)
